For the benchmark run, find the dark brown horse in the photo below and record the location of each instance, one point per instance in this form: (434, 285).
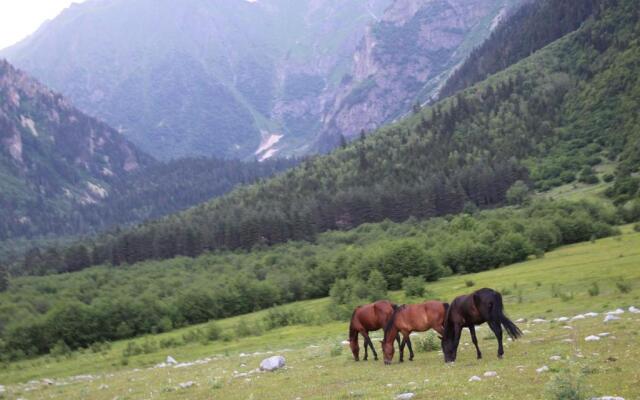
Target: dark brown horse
(412, 318)
(484, 305)
(365, 319)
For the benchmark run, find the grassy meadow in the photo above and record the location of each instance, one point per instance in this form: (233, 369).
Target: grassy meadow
(320, 366)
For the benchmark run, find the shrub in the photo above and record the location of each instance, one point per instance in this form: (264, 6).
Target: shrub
(594, 290)
(636, 227)
(428, 343)
(469, 283)
(60, 349)
(623, 287)
(132, 349)
(413, 286)
(517, 193)
(565, 387)
(213, 332)
(336, 350)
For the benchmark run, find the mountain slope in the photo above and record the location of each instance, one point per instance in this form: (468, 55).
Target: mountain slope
(52, 156)
(229, 78)
(549, 119)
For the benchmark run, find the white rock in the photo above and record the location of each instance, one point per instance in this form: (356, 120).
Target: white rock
(48, 382)
(272, 363)
(607, 398)
(567, 327)
(562, 319)
(489, 374)
(542, 369)
(521, 320)
(186, 385)
(634, 310)
(616, 311)
(475, 379)
(389, 384)
(592, 338)
(579, 316)
(2, 389)
(344, 342)
(604, 334)
(538, 320)
(555, 358)
(610, 317)
(405, 396)
(171, 361)
(567, 340)
(103, 387)
(591, 314)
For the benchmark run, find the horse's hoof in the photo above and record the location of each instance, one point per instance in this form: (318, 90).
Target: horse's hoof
(387, 363)
(479, 356)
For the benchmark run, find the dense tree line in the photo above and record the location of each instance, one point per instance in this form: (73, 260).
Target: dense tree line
(106, 303)
(531, 27)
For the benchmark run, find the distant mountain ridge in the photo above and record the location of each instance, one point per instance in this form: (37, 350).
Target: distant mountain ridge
(248, 80)
(52, 154)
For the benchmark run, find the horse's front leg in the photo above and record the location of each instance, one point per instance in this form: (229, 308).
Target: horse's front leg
(472, 330)
(408, 340)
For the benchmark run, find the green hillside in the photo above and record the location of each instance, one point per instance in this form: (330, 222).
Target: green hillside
(548, 120)
(319, 366)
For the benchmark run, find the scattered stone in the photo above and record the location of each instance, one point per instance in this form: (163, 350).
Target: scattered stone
(567, 340)
(475, 379)
(2, 389)
(389, 384)
(617, 311)
(171, 361)
(526, 332)
(538, 320)
(610, 317)
(48, 382)
(272, 363)
(579, 316)
(567, 327)
(521, 320)
(607, 398)
(555, 358)
(103, 387)
(186, 385)
(592, 338)
(634, 310)
(562, 319)
(405, 396)
(344, 342)
(490, 374)
(604, 334)
(591, 314)
(542, 369)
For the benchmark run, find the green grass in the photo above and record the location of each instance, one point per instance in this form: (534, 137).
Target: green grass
(606, 367)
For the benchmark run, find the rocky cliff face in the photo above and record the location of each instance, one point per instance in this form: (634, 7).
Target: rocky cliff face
(51, 152)
(403, 59)
(226, 77)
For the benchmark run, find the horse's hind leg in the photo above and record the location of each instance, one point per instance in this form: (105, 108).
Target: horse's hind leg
(472, 329)
(373, 349)
(497, 330)
(398, 339)
(404, 341)
(410, 347)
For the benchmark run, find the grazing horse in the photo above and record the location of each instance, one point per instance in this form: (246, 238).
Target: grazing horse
(365, 319)
(484, 305)
(412, 318)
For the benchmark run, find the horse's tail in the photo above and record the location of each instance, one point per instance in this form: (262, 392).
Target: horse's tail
(353, 333)
(497, 312)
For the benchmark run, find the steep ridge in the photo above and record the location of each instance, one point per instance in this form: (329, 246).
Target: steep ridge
(223, 78)
(550, 118)
(52, 156)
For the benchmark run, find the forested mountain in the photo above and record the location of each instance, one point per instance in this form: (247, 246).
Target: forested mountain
(530, 28)
(245, 79)
(547, 120)
(62, 172)
(52, 156)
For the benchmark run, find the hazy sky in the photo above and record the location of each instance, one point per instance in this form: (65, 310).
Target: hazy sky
(19, 18)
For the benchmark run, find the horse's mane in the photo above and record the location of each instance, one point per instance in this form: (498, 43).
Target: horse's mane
(448, 328)
(387, 327)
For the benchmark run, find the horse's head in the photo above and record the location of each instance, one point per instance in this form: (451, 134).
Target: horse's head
(355, 348)
(387, 350)
(449, 349)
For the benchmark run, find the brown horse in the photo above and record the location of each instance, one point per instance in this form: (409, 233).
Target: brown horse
(484, 305)
(412, 318)
(365, 319)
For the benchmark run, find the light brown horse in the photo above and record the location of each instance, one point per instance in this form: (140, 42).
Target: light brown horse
(365, 319)
(412, 318)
